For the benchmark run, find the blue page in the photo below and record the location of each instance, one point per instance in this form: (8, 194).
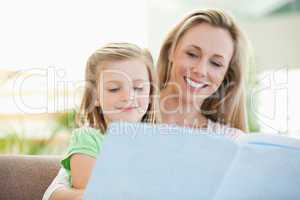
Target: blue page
(270, 140)
(141, 161)
(263, 170)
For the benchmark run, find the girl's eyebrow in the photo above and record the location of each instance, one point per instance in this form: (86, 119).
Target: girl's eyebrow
(139, 80)
(113, 81)
(119, 82)
(199, 49)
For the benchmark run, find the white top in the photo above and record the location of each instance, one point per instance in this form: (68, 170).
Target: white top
(61, 180)
(226, 130)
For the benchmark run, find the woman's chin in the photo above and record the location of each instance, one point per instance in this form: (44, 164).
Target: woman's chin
(193, 95)
(194, 100)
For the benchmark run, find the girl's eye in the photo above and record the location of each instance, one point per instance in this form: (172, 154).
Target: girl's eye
(191, 54)
(216, 64)
(113, 90)
(138, 88)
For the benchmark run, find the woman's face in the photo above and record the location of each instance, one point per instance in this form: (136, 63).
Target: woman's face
(200, 62)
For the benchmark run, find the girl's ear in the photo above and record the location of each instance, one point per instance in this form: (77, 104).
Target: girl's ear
(97, 103)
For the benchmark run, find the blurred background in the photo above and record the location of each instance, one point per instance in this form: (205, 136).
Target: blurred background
(44, 46)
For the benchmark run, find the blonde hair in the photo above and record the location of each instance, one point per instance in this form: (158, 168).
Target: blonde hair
(230, 102)
(91, 114)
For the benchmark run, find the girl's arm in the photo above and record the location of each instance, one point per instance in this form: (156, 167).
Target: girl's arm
(81, 169)
(79, 160)
(59, 189)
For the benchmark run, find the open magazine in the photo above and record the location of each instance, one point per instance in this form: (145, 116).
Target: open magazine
(143, 161)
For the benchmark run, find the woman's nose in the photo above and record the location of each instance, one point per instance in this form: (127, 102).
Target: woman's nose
(200, 68)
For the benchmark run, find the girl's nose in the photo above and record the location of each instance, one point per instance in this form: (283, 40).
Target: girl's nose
(127, 95)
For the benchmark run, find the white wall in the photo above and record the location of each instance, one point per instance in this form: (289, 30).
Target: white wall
(276, 41)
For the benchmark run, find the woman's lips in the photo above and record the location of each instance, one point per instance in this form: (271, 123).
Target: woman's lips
(195, 85)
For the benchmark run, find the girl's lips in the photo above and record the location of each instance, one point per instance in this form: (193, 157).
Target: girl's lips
(128, 109)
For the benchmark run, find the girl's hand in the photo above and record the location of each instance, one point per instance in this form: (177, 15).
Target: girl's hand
(80, 195)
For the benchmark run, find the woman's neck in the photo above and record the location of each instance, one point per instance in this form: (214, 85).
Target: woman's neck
(175, 110)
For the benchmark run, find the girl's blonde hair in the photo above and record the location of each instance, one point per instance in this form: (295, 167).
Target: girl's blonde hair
(228, 102)
(91, 114)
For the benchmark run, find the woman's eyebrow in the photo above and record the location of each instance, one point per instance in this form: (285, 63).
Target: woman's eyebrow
(200, 49)
(196, 47)
(219, 56)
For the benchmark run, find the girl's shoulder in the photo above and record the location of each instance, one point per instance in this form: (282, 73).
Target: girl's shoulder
(84, 140)
(86, 133)
(224, 129)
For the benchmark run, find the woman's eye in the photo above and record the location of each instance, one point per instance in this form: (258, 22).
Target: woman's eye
(216, 64)
(192, 55)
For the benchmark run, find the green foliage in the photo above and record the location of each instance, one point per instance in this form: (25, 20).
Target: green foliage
(15, 142)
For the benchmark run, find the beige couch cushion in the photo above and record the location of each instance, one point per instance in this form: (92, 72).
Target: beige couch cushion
(26, 177)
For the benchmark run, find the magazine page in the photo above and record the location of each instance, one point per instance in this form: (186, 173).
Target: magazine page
(269, 140)
(140, 161)
(262, 172)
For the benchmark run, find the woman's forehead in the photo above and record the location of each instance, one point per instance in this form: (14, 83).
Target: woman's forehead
(211, 39)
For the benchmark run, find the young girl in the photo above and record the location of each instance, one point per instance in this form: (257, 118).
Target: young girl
(120, 85)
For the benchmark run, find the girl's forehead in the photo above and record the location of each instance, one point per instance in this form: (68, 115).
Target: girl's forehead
(133, 69)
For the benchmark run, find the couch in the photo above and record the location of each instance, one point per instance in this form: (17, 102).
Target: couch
(25, 177)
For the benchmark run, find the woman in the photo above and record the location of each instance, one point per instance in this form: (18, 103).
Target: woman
(201, 71)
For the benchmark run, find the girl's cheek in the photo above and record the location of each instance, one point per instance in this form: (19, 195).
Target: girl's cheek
(143, 100)
(143, 104)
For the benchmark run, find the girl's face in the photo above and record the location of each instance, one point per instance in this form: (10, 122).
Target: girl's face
(124, 90)
(200, 62)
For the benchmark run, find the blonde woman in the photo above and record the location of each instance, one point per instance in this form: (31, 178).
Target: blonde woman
(201, 72)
